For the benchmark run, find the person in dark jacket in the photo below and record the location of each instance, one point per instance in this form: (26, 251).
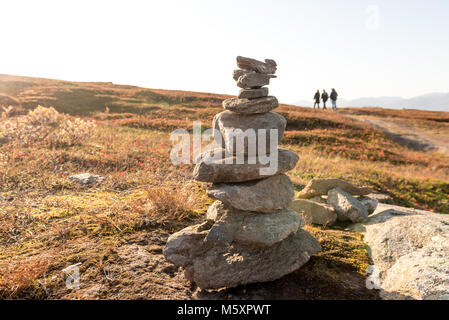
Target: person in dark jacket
(334, 96)
(316, 97)
(324, 97)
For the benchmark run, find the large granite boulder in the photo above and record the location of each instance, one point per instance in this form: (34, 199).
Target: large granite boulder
(249, 235)
(228, 170)
(318, 187)
(346, 206)
(319, 213)
(410, 251)
(232, 127)
(246, 106)
(214, 267)
(265, 195)
(251, 228)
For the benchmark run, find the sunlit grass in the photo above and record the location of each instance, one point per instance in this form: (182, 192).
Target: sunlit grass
(48, 223)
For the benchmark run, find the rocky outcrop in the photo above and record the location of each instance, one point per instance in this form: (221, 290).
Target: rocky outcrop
(410, 251)
(380, 197)
(253, 93)
(249, 234)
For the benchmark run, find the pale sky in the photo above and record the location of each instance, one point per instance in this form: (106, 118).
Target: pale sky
(362, 48)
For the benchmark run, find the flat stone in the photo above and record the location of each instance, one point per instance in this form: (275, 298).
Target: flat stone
(318, 187)
(253, 93)
(254, 80)
(232, 127)
(236, 74)
(184, 245)
(266, 195)
(268, 67)
(320, 213)
(250, 228)
(214, 267)
(227, 170)
(346, 206)
(410, 251)
(246, 106)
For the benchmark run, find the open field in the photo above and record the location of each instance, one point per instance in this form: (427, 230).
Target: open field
(117, 229)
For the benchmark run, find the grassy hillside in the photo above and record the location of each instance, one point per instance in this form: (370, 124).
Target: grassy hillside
(331, 144)
(89, 98)
(48, 223)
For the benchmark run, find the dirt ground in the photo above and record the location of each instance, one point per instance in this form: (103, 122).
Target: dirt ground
(410, 135)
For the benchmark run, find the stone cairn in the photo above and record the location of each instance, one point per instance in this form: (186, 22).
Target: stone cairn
(250, 235)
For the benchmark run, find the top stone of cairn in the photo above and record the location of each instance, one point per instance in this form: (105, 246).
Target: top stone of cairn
(267, 67)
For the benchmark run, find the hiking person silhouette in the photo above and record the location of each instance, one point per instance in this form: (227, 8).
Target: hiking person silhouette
(324, 97)
(316, 97)
(334, 96)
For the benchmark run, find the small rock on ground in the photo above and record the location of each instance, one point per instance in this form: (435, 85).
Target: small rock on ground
(86, 178)
(346, 206)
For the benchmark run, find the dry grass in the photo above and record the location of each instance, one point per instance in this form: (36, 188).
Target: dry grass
(143, 193)
(436, 116)
(18, 277)
(44, 125)
(171, 204)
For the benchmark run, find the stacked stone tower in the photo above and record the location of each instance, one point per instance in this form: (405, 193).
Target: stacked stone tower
(249, 234)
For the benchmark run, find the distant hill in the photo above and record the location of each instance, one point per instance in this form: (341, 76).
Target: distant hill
(438, 101)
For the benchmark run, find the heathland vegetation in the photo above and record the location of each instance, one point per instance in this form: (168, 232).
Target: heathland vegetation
(122, 133)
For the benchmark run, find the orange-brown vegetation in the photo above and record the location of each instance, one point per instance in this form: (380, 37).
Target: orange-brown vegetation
(122, 133)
